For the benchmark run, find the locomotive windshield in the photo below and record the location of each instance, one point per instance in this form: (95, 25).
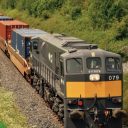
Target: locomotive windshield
(113, 64)
(74, 65)
(93, 63)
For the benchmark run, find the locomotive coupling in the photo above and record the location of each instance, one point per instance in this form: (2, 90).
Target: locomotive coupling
(76, 114)
(117, 113)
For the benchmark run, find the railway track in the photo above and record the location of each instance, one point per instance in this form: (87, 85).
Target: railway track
(32, 105)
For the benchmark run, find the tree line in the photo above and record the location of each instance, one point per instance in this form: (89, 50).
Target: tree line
(102, 13)
(110, 16)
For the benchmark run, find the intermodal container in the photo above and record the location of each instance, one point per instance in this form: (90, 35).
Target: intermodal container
(7, 26)
(21, 40)
(3, 18)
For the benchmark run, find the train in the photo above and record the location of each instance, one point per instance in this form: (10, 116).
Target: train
(82, 83)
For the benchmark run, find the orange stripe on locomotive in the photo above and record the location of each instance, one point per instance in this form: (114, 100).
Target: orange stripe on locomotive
(100, 89)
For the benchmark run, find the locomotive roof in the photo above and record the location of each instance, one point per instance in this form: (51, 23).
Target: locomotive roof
(91, 53)
(69, 43)
(63, 42)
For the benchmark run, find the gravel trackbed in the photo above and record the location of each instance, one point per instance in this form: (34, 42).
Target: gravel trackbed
(28, 101)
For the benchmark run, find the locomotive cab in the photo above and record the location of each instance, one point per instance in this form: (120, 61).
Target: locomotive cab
(93, 88)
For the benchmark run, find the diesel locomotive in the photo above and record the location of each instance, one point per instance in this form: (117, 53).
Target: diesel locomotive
(82, 83)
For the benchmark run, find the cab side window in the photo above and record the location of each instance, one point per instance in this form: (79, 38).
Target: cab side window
(35, 45)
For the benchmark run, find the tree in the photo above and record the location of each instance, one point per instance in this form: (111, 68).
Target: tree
(103, 12)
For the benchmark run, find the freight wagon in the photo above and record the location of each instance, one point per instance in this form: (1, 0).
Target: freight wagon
(3, 18)
(19, 49)
(5, 31)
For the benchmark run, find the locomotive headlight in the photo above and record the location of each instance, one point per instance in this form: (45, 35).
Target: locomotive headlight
(94, 77)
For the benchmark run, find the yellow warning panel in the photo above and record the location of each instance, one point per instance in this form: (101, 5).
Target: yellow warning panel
(92, 89)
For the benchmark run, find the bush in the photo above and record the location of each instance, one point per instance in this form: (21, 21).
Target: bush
(124, 53)
(51, 4)
(45, 14)
(75, 12)
(103, 12)
(122, 29)
(34, 9)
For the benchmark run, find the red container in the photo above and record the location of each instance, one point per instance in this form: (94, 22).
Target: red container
(7, 26)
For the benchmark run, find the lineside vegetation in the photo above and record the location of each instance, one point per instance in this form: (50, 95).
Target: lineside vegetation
(10, 116)
(104, 22)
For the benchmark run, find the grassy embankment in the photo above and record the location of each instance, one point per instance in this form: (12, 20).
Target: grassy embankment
(10, 116)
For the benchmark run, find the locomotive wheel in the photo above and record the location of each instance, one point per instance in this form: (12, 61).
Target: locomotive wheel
(41, 90)
(45, 95)
(61, 111)
(35, 80)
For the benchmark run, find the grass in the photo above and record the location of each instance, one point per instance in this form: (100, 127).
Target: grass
(10, 116)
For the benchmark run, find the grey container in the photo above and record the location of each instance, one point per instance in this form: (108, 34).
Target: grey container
(21, 40)
(4, 18)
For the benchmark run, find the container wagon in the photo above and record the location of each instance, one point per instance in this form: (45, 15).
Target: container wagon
(5, 31)
(5, 18)
(19, 49)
